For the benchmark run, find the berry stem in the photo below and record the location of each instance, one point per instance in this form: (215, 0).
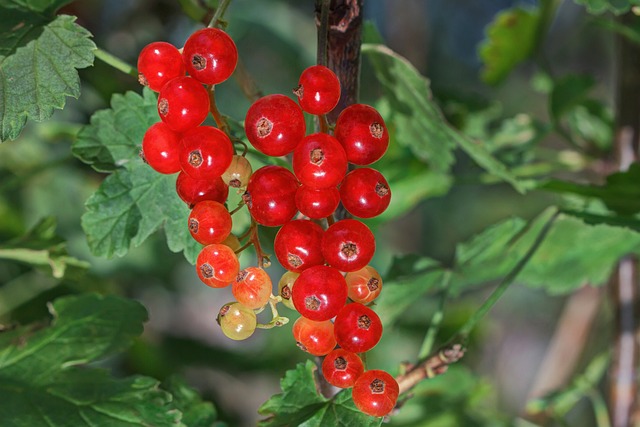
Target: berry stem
(324, 123)
(331, 220)
(240, 205)
(436, 319)
(221, 122)
(276, 319)
(116, 62)
(216, 20)
(323, 33)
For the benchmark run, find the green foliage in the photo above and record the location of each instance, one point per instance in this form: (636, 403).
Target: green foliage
(615, 6)
(39, 55)
(301, 404)
(511, 38)
(45, 383)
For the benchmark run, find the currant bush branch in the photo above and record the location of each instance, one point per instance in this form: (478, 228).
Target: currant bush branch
(116, 62)
(216, 20)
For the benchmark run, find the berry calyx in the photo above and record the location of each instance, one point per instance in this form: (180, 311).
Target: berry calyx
(297, 245)
(210, 56)
(209, 222)
(237, 321)
(252, 287)
(341, 368)
(183, 103)
(217, 265)
(206, 152)
(318, 90)
(348, 245)
(358, 328)
(375, 393)
(363, 134)
(364, 285)
(161, 148)
(365, 193)
(270, 195)
(285, 288)
(319, 161)
(192, 191)
(314, 337)
(159, 62)
(319, 293)
(274, 125)
(317, 203)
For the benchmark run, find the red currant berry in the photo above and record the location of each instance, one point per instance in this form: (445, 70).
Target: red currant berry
(206, 152)
(319, 161)
(363, 134)
(210, 56)
(341, 368)
(319, 293)
(297, 245)
(237, 321)
(317, 203)
(217, 265)
(358, 328)
(209, 222)
(252, 287)
(270, 195)
(274, 125)
(364, 285)
(238, 173)
(375, 393)
(365, 193)
(161, 148)
(318, 90)
(285, 287)
(183, 103)
(192, 191)
(313, 337)
(348, 245)
(158, 63)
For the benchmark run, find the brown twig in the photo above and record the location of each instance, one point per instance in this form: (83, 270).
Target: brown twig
(434, 365)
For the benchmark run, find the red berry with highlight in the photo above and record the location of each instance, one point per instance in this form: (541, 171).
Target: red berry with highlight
(210, 56)
(318, 90)
(319, 293)
(270, 195)
(317, 203)
(314, 337)
(183, 103)
(358, 328)
(159, 62)
(298, 245)
(319, 161)
(252, 287)
(274, 125)
(209, 222)
(375, 393)
(365, 193)
(217, 265)
(341, 368)
(206, 152)
(348, 245)
(161, 148)
(363, 134)
(192, 191)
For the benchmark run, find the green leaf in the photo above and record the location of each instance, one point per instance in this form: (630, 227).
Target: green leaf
(42, 383)
(511, 38)
(130, 205)
(114, 136)
(618, 7)
(300, 404)
(38, 64)
(568, 93)
(195, 412)
(42, 248)
(419, 123)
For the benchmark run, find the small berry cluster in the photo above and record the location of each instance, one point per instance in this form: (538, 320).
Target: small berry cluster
(328, 273)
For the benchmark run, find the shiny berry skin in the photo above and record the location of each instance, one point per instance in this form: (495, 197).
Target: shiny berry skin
(297, 245)
(183, 103)
(363, 134)
(252, 287)
(274, 125)
(159, 62)
(341, 368)
(319, 293)
(365, 193)
(358, 328)
(318, 90)
(210, 56)
(317, 203)
(319, 161)
(237, 321)
(348, 245)
(313, 337)
(270, 195)
(217, 265)
(161, 148)
(238, 173)
(375, 393)
(192, 191)
(364, 285)
(209, 222)
(206, 152)
(285, 287)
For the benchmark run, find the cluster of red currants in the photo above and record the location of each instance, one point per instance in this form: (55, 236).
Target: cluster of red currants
(328, 273)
